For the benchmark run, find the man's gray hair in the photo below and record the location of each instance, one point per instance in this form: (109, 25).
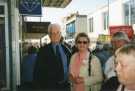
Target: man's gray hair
(52, 25)
(120, 36)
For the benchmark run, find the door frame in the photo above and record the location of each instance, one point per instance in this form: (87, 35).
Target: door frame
(7, 57)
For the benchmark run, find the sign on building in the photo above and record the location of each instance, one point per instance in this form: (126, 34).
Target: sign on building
(37, 27)
(127, 29)
(30, 7)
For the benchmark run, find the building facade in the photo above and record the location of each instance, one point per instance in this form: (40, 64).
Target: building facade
(118, 12)
(74, 24)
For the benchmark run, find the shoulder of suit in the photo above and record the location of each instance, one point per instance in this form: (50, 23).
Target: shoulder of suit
(45, 47)
(68, 49)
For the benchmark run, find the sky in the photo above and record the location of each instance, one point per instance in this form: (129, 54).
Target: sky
(85, 5)
(55, 15)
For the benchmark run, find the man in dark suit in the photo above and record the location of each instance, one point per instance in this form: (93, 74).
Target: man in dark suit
(51, 71)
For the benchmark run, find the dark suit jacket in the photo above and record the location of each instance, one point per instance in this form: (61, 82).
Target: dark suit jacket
(48, 69)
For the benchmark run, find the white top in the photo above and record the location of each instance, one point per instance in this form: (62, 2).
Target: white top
(110, 68)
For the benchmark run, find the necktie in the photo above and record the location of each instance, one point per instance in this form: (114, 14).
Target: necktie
(62, 57)
(58, 54)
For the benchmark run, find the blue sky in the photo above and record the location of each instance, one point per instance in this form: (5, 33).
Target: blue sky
(82, 6)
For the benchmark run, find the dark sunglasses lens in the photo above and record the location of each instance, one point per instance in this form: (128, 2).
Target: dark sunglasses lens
(85, 42)
(80, 42)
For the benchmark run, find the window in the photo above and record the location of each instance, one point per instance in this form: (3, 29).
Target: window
(105, 20)
(91, 24)
(129, 12)
(70, 29)
(1, 10)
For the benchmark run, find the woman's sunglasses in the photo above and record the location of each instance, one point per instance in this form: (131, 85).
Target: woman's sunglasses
(80, 42)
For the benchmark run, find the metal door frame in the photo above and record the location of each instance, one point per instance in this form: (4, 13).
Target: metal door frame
(5, 16)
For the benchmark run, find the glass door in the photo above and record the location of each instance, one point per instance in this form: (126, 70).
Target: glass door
(2, 53)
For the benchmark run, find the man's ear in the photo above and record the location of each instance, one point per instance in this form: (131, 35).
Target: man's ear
(76, 45)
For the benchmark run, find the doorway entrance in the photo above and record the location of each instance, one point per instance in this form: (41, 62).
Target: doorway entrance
(4, 48)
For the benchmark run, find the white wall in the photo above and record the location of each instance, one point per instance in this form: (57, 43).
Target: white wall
(45, 39)
(116, 13)
(98, 22)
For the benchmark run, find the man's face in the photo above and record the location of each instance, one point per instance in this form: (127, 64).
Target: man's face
(125, 68)
(55, 34)
(118, 43)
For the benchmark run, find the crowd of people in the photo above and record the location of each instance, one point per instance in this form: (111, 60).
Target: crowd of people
(59, 67)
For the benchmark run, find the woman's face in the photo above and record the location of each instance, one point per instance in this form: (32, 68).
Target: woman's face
(82, 44)
(118, 43)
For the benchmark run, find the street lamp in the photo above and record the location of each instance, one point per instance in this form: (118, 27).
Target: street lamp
(129, 12)
(108, 12)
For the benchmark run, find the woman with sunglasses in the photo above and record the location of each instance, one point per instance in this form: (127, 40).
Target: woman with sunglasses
(85, 68)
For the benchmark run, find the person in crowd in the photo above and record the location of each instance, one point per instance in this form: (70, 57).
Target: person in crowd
(103, 52)
(133, 39)
(74, 49)
(125, 67)
(85, 69)
(52, 66)
(111, 82)
(107, 51)
(64, 43)
(118, 39)
(28, 64)
(2, 76)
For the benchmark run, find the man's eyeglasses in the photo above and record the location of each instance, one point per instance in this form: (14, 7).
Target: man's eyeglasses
(55, 33)
(80, 42)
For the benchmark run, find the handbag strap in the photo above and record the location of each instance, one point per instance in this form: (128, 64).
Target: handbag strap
(89, 64)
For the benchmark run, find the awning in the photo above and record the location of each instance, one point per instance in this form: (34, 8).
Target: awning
(56, 3)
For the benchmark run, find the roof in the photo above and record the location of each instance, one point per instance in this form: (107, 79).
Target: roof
(56, 3)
